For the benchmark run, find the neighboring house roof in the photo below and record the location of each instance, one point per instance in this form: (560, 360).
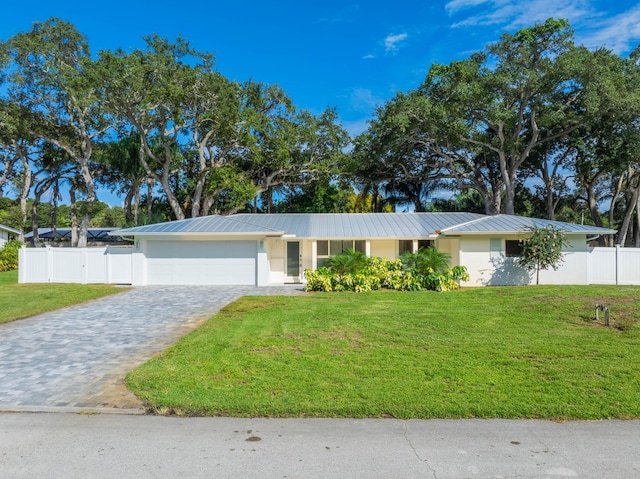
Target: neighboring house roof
(93, 234)
(354, 225)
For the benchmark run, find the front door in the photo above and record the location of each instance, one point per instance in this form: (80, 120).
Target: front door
(294, 260)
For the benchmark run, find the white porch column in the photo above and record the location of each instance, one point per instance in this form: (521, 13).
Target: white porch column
(262, 264)
(138, 266)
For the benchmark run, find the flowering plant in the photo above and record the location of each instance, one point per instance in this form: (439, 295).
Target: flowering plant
(542, 250)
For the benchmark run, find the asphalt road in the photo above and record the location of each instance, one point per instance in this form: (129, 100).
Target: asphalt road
(63, 445)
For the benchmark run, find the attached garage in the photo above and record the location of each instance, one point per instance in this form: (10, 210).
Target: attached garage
(222, 262)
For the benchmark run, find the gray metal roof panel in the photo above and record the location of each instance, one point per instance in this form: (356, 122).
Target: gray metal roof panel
(516, 224)
(204, 224)
(359, 225)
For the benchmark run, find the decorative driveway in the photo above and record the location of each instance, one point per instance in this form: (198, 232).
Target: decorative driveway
(77, 357)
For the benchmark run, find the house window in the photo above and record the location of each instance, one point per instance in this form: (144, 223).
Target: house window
(513, 248)
(339, 246)
(495, 248)
(322, 252)
(325, 248)
(425, 244)
(405, 246)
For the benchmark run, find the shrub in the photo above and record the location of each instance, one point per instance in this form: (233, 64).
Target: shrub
(425, 261)
(384, 273)
(351, 261)
(9, 256)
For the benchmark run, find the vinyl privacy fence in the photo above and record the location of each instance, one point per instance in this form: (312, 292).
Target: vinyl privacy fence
(113, 265)
(614, 266)
(108, 264)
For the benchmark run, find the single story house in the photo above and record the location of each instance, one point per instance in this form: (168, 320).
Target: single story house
(263, 249)
(7, 234)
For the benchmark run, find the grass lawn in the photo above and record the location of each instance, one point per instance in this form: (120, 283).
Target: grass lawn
(19, 301)
(516, 352)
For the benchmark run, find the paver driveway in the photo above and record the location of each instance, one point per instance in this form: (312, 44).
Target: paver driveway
(78, 356)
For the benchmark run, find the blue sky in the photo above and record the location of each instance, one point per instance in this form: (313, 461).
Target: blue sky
(349, 55)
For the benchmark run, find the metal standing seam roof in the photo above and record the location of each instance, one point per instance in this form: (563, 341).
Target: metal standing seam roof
(358, 225)
(516, 224)
(214, 224)
(353, 225)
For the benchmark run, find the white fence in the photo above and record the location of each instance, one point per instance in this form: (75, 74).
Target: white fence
(114, 265)
(109, 264)
(614, 266)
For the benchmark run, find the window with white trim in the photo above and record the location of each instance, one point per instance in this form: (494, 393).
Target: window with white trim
(327, 248)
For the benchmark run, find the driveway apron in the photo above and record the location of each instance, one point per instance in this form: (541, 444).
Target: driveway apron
(78, 356)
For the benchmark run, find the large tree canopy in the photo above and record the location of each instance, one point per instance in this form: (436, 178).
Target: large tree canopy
(478, 121)
(532, 125)
(161, 116)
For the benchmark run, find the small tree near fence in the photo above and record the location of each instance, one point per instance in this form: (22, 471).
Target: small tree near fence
(542, 250)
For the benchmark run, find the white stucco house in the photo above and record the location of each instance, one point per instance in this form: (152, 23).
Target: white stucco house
(7, 234)
(264, 249)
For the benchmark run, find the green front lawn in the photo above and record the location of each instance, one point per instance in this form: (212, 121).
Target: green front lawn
(515, 352)
(19, 301)
(8, 277)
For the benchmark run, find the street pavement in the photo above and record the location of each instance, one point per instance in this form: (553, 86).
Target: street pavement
(119, 446)
(77, 357)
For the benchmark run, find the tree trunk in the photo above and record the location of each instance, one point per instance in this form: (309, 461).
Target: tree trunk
(35, 239)
(74, 214)
(54, 210)
(509, 198)
(634, 194)
(91, 198)
(24, 194)
(637, 234)
(149, 197)
(614, 198)
(133, 196)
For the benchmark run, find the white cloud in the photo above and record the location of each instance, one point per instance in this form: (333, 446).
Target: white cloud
(455, 5)
(392, 41)
(620, 33)
(368, 56)
(593, 27)
(518, 13)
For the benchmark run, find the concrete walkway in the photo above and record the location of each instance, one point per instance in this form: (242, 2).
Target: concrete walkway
(77, 357)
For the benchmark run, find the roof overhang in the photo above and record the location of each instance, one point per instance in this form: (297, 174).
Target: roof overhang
(522, 233)
(8, 229)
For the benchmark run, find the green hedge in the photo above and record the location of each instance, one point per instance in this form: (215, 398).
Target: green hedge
(9, 256)
(380, 273)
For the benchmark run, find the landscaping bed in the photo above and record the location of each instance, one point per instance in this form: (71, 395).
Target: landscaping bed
(509, 352)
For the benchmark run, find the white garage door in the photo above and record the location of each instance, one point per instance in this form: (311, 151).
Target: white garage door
(201, 262)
